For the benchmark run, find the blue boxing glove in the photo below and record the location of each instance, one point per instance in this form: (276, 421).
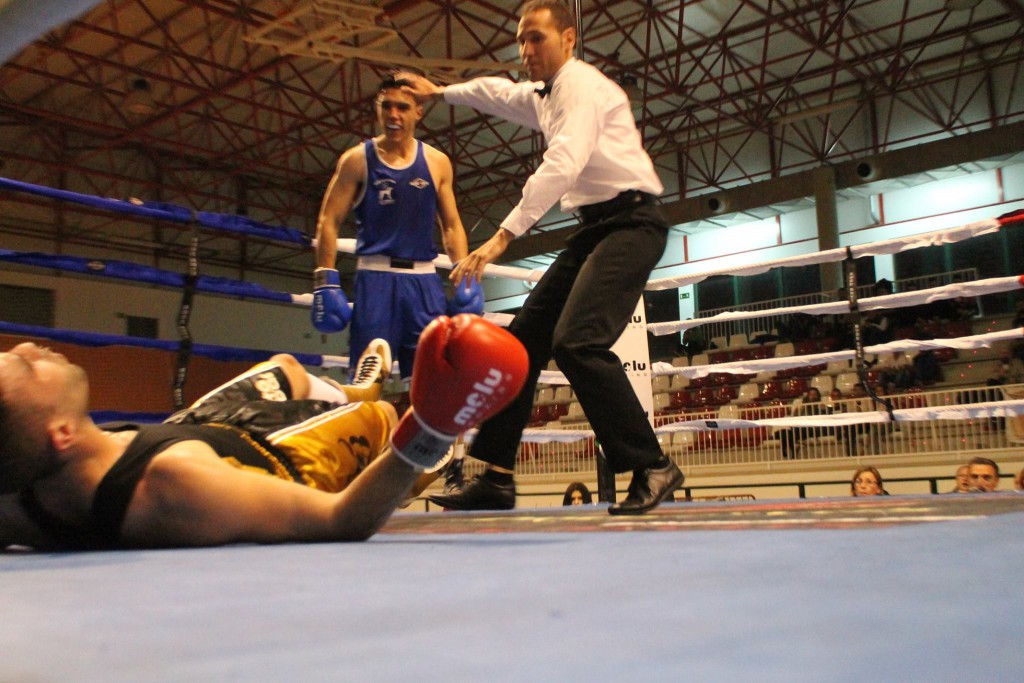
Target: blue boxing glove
(468, 298)
(330, 312)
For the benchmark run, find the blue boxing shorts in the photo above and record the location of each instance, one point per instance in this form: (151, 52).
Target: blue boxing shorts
(395, 307)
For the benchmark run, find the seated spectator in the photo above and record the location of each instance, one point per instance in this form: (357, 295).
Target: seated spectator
(867, 481)
(877, 326)
(860, 401)
(983, 474)
(963, 480)
(927, 368)
(798, 328)
(693, 342)
(811, 405)
(577, 494)
(964, 308)
(901, 377)
(1009, 370)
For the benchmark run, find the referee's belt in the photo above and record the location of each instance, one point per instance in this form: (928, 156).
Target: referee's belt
(391, 264)
(620, 202)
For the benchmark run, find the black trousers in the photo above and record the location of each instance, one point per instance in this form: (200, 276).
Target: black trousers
(575, 314)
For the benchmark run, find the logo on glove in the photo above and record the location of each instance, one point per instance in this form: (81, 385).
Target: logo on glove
(484, 394)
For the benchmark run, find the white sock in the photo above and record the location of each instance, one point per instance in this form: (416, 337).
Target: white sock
(319, 390)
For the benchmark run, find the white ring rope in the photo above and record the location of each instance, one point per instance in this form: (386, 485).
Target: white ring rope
(892, 246)
(884, 247)
(750, 367)
(888, 301)
(986, 409)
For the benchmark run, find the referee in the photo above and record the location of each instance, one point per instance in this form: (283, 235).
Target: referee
(596, 166)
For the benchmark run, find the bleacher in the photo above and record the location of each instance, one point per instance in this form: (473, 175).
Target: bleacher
(777, 394)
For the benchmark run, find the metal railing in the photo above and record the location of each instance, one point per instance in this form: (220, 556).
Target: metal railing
(760, 445)
(750, 328)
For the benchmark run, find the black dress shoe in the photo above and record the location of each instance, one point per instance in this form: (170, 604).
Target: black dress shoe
(453, 479)
(479, 494)
(649, 487)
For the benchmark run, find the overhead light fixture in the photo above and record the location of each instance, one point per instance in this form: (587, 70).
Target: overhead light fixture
(960, 5)
(139, 100)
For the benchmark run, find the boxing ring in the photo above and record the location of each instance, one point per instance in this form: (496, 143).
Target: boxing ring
(902, 588)
(905, 587)
(563, 442)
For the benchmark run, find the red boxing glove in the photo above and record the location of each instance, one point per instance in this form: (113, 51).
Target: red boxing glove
(466, 370)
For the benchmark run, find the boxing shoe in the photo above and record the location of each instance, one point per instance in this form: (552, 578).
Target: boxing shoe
(479, 494)
(649, 487)
(371, 372)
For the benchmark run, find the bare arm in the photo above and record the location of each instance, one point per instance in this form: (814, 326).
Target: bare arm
(453, 233)
(473, 265)
(337, 202)
(190, 497)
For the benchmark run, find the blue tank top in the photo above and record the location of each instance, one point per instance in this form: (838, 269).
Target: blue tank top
(396, 214)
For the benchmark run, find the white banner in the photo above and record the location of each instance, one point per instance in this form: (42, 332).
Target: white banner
(631, 348)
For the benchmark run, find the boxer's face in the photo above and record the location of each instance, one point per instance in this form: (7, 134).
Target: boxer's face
(41, 380)
(397, 113)
(40, 391)
(543, 49)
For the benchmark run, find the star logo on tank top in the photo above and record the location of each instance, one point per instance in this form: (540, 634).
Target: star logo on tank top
(385, 189)
(419, 183)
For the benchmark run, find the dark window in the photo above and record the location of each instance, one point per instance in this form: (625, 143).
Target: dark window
(798, 280)
(27, 305)
(147, 328)
(715, 292)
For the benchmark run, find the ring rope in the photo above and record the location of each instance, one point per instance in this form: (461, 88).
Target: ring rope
(215, 352)
(886, 301)
(754, 366)
(1010, 408)
(881, 248)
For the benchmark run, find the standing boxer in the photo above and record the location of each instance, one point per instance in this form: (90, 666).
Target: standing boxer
(400, 189)
(596, 165)
(259, 462)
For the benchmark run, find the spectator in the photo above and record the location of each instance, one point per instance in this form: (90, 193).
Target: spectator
(963, 480)
(877, 327)
(1018, 481)
(791, 438)
(867, 481)
(694, 342)
(577, 494)
(983, 474)
(926, 368)
(902, 376)
(1009, 370)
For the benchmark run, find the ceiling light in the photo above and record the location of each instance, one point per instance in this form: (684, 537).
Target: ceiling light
(139, 100)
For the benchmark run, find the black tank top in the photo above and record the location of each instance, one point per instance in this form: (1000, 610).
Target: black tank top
(117, 487)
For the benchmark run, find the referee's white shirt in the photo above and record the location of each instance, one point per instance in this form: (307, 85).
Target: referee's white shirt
(594, 150)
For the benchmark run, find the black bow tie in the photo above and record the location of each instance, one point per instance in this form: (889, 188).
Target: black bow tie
(545, 91)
